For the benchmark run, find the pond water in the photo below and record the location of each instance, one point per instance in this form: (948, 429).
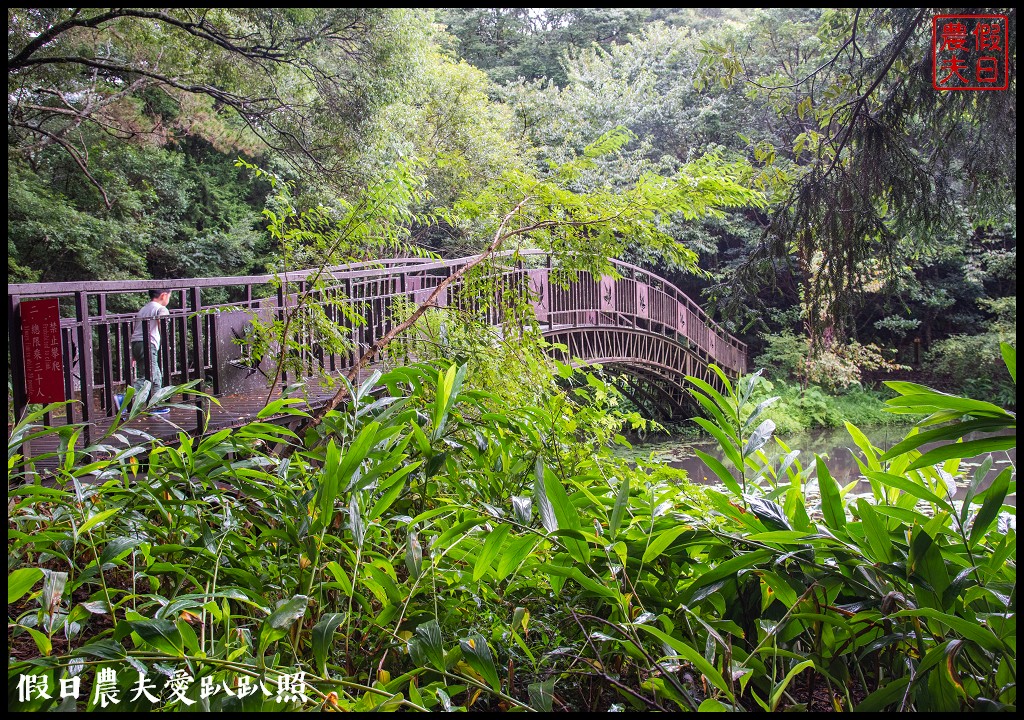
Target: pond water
(835, 445)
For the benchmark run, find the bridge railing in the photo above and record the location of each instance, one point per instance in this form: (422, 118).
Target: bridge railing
(96, 326)
(206, 327)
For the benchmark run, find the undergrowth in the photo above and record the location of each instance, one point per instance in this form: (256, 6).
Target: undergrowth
(432, 547)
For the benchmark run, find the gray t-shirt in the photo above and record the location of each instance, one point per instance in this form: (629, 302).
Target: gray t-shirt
(150, 310)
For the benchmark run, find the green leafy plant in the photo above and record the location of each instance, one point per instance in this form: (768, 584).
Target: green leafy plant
(431, 545)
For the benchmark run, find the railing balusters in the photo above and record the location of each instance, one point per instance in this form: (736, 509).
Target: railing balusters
(106, 359)
(195, 300)
(66, 337)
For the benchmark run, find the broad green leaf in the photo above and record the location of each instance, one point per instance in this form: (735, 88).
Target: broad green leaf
(712, 705)
(280, 407)
(776, 696)
(544, 505)
(861, 440)
(780, 588)
(478, 655)
(277, 624)
(876, 532)
(831, 502)
(714, 410)
(20, 582)
(691, 656)
(1009, 354)
(719, 400)
(566, 515)
(340, 576)
(541, 695)
(392, 488)
(425, 646)
(726, 569)
(328, 490)
(621, 501)
(721, 472)
(489, 551)
(593, 586)
(728, 447)
(949, 432)
(456, 532)
(210, 443)
(188, 637)
(780, 537)
(43, 643)
(926, 562)
(970, 630)
(884, 696)
(665, 690)
(910, 487)
(106, 649)
(118, 546)
(356, 453)
(662, 541)
(914, 395)
(161, 634)
(96, 520)
(448, 385)
(990, 507)
(323, 633)
(517, 550)
(968, 449)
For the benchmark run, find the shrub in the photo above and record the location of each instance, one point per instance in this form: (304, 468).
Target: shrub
(834, 368)
(798, 409)
(973, 362)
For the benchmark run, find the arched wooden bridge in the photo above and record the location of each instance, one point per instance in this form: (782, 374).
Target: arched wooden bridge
(636, 324)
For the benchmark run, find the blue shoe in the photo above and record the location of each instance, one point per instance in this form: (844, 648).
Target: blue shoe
(118, 399)
(161, 411)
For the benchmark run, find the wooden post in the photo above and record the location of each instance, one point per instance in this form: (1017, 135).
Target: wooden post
(197, 349)
(85, 361)
(17, 361)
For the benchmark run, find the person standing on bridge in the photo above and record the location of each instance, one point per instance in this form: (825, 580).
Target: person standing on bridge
(152, 311)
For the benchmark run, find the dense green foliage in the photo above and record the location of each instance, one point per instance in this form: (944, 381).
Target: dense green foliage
(800, 408)
(432, 546)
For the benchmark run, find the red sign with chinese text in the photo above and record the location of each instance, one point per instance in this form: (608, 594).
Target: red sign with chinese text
(40, 342)
(970, 52)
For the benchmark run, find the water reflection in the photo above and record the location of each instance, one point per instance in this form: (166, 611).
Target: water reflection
(835, 445)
